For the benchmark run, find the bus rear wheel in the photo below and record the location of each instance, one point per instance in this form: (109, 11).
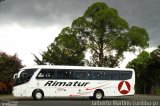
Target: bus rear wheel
(98, 95)
(38, 95)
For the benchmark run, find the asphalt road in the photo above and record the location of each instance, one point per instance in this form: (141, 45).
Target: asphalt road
(137, 100)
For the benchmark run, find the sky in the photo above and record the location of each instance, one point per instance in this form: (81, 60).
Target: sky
(28, 27)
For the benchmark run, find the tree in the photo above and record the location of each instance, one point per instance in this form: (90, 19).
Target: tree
(147, 68)
(154, 66)
(102, 32)
(107, 35)
(9, 65)
(66, 50)
(140, 65)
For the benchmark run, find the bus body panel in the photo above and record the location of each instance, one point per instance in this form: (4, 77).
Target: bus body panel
(72, 88)
(110, 88)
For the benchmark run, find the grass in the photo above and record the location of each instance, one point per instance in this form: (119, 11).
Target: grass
(6, 97)
(158, 91)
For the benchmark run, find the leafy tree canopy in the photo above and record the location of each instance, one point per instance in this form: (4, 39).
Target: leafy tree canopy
(9, 65)
(141, 62)
(147, 68)
(66, 50)
(102, 32)
(108, 35)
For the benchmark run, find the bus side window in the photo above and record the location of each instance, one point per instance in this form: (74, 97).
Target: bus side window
(59, 74)
(68, 74)
(64, 74)
(81, 75)
(46, 74)
(124, 75)
(101, 75)
(42, 74)
(51, 74)
(108, 75)
(111, 75)
(115, 75)
(97, 75)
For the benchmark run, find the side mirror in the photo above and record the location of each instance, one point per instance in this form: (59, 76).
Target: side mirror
(14, 76)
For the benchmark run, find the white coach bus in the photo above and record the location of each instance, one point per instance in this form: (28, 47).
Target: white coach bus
(72, 81)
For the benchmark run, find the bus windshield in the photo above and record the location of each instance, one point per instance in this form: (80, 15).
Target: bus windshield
(25, 76)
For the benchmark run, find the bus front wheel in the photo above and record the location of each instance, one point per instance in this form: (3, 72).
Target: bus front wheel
(38, 94)
(98, 94)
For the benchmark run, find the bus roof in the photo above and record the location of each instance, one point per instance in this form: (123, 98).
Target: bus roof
(74, 67)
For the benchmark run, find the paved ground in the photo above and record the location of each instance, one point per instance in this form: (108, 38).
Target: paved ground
(137, 100)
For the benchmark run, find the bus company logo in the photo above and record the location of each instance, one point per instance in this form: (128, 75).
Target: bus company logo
(124, 87)
(56, 83)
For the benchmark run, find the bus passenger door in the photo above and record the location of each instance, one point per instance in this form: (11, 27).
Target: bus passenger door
(45, 80)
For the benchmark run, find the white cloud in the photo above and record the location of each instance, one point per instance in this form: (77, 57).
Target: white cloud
(26, 41)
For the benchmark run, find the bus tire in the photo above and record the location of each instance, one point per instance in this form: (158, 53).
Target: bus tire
(38, 94)
(98, 94)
